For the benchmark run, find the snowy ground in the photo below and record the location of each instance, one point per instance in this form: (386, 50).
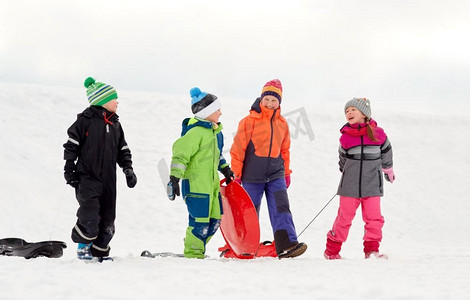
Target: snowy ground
(426, 209)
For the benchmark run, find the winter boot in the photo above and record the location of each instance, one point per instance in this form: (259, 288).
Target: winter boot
(332, 256)
(332, 249)
(376, 255)
(293, 251)
(84, 252)
(371, 249)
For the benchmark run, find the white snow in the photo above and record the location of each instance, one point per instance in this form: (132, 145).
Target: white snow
(426, 209)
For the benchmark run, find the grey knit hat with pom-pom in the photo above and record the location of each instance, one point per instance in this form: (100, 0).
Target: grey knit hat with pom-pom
(361, 104)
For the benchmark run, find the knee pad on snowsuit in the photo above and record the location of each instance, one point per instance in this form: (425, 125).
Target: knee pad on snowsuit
(204, 231)
(197, 236)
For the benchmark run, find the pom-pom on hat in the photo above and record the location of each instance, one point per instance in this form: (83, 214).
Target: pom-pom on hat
(362, 104)
(272, 88)
(203, 104)
(99, 93)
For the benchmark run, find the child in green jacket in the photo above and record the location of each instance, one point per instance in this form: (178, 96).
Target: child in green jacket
(197, 155)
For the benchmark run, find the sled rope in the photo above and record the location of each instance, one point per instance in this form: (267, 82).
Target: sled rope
(317, 215)
(57, 215)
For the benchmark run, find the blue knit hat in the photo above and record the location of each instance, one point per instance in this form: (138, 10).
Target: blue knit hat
(203, 104)
(99, 93)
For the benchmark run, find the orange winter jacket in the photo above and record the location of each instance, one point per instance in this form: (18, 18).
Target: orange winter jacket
(260, 149)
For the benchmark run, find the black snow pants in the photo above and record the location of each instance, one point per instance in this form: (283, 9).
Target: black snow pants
(96, 214)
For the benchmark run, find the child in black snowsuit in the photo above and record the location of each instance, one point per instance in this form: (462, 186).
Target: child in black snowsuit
(97, 140)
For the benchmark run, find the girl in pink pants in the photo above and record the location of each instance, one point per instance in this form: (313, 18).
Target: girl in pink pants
(365, 153)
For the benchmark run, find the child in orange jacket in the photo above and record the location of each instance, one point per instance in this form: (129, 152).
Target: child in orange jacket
(260, 160)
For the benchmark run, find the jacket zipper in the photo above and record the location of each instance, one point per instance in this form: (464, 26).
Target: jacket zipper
(360, 169)
(380, 180)
(214, 140)
(270, 143)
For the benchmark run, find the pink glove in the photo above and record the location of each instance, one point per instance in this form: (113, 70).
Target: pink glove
(287, 181)
(389, 175)
(238, 180)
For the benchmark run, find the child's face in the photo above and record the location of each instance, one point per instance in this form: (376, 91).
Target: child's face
(354, 116)
(111, 106)
(270, 102)
(214, 117)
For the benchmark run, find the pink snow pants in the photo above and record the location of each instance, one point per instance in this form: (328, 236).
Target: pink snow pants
(370, 214)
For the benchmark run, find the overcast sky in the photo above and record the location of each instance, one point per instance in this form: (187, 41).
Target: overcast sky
(321, 50)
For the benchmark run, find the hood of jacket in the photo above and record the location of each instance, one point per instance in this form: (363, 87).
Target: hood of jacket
(190, 123)
(356, 134)
(357, 129)
(259, 111)
(97, 111)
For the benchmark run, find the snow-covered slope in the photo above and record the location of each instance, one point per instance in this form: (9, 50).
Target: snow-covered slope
(426, 209)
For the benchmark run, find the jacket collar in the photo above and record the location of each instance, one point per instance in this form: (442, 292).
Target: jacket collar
(259, 111)
(98, 112)
(360, 127)
(189, 123)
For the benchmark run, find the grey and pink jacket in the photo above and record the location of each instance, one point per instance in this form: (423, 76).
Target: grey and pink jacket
(361, 160)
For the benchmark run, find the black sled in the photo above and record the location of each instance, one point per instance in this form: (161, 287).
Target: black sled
(19, 247)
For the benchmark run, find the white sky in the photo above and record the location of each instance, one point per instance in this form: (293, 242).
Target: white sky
(321, 50)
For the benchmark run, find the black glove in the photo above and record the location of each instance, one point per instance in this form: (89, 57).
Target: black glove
(130, 177)
(228, 173)
(69, 174)
(173, 188)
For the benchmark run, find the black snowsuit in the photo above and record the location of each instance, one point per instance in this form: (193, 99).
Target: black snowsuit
(97, 140)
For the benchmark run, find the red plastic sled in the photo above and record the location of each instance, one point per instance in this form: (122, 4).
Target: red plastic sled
(239, 224)
(265, 249)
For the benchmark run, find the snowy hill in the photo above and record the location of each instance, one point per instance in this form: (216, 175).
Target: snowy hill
(426, 209)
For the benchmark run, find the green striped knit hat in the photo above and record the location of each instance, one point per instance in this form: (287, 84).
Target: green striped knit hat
(99, 93)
